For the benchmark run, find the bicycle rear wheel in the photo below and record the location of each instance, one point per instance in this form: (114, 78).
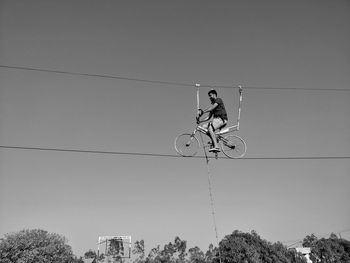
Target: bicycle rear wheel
(186, 144)
(233, 146)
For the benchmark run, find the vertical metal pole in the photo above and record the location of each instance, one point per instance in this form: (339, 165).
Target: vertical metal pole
(197, 85)
(240, 105)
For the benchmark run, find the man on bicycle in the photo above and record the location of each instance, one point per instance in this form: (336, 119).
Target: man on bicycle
(218, 112)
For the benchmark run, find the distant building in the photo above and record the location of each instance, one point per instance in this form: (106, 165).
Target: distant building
(305, 251)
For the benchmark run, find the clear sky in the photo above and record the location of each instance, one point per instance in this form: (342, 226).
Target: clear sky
(281, 44)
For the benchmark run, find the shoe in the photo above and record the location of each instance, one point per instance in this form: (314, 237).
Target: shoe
(217, 149)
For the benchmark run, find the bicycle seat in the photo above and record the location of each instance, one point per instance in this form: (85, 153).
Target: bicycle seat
(223, 126)
(222, 130)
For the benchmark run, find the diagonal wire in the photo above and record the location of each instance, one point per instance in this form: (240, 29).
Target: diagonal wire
(164, 82)
(96, 75)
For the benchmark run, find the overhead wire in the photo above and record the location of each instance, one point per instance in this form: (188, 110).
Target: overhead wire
(173, 83)
(168, 155)
(96, 75)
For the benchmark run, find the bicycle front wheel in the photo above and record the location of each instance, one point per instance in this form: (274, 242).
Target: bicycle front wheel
(186, 144)
(233, 146)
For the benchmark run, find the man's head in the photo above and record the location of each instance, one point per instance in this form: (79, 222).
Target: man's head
(212, 95)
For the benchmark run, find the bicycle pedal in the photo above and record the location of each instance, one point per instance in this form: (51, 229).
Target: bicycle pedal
(214, 150)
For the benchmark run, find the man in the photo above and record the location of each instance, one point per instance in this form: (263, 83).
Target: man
(218, 112)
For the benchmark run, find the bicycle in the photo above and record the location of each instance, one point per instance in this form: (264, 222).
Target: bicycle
(232, 146)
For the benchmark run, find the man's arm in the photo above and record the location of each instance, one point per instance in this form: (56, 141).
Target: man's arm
(205, 119)
(211, 108)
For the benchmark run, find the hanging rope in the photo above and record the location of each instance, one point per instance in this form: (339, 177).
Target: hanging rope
(211, 197)
(209, 183)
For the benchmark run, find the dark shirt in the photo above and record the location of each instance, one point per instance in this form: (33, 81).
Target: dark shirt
(219, 111)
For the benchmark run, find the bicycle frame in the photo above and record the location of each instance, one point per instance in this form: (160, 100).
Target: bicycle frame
(218, 134)
(232, 146)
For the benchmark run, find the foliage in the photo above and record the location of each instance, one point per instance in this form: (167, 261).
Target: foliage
(211, 254)
(78, 260)
(309, 241)
(153, 255)
(139, 251)
(172, 252)
(37, 246)
(175, 252)
(196, 255)
(237, 247)
(90, 254)
(29, 246)
(332, 249)
(250, 248)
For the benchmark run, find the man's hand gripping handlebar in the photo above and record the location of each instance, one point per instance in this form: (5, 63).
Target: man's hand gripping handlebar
(199, 114)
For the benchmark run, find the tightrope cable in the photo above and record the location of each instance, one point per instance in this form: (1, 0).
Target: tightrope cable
(11, 147)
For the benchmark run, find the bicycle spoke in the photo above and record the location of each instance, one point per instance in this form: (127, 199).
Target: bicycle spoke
(186, 145)
(233, 146)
